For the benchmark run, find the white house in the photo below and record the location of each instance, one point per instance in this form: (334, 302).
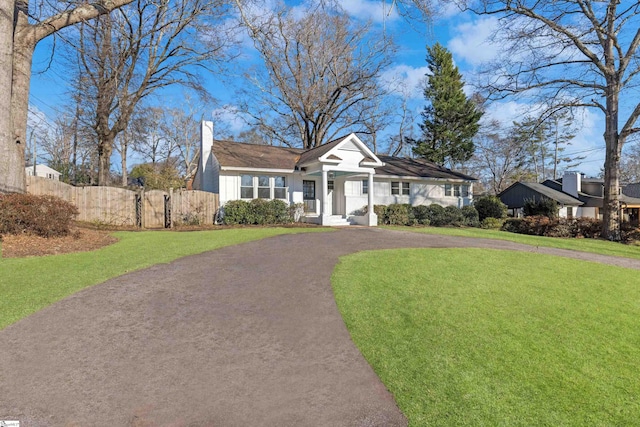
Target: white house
(334, 181)
(43, 171)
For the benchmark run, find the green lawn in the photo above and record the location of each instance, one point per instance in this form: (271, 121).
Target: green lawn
(586, 245)
(484, 337)
(29, 284)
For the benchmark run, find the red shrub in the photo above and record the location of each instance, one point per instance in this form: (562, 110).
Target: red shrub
(45, 216)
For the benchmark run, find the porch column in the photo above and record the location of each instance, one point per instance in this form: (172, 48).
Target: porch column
(324, 201)
(372, 218)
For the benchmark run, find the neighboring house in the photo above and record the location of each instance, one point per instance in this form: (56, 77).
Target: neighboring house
(333, 181)
(576, 196)
(44, 172)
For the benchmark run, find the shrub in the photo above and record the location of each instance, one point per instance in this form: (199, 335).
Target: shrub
(45, 216)
(453, 216)
(399, 214)
(540, 207)
(557, 227)
(589, 228)
(490, 207)
(514, 225)
(381, 211)
(421, 214)
(258, 212)
(236, 212)
(471, 217)
(437, 215)
(492, 223)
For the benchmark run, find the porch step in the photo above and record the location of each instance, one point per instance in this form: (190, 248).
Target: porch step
(339, 221)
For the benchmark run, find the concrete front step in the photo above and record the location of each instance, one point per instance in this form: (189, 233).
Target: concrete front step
(338, 221)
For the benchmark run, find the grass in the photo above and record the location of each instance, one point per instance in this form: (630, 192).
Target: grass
(470, 337)
(597, 246)
(29, 284)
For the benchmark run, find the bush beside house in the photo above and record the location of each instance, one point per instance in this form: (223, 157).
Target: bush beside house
(435, 215)
(259, 212)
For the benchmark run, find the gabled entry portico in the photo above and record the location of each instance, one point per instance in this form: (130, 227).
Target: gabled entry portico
(332, 162)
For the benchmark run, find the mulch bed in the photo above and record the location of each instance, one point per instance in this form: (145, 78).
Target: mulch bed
(80, 240)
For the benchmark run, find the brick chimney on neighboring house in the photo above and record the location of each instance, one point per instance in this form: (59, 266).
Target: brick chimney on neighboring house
(572, 183)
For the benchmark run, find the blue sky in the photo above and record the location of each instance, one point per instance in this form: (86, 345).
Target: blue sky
(462, 33)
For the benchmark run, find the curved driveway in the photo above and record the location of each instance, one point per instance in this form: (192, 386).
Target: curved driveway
(247, 335)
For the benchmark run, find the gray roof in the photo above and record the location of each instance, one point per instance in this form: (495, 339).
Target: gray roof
(515, 195)
(558, 196)
(237, 154)
(317, 152)
(230, 153)
(402, 166)
(632, 190)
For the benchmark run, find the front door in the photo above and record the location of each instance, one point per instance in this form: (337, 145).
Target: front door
(309, 196)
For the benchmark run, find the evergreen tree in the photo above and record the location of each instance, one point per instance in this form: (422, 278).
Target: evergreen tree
(450, 119)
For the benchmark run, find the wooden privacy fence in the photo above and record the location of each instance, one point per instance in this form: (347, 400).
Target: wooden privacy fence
(122, 207)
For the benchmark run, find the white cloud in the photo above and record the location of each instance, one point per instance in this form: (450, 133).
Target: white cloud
(472, 42)
(374, 10)
(405, 80)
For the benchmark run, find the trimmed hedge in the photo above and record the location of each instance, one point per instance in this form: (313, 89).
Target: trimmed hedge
(45, 216)
(258, 212)
(435, 215)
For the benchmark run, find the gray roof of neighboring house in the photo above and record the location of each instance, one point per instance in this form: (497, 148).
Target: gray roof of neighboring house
(632, 190)
(515, 195)
(401, 166)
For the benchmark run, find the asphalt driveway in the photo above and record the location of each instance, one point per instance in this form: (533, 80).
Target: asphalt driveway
(247, 335)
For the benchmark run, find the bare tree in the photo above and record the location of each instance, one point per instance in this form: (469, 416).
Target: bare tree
(153, 141)
(573, 53)
(180, 126)
(630, 164)
(500, 158)
(128, 55)
(317, 70)
(18, 39)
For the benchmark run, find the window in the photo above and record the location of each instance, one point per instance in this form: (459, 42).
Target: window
(395, 188)
(279, 187)
(249, 189)
(246, 187)
(264, 192)
(456, 190)
(330, 185)
(569, 212)
(398, 188)
(365, 186)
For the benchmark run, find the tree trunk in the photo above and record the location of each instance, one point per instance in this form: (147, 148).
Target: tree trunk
(123, 156)
(611, 203)
(9, 179)
(105, 149)
(24, 44)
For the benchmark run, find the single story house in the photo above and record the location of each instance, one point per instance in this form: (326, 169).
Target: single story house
(43, 171)
(576, 195)
(334, 182)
